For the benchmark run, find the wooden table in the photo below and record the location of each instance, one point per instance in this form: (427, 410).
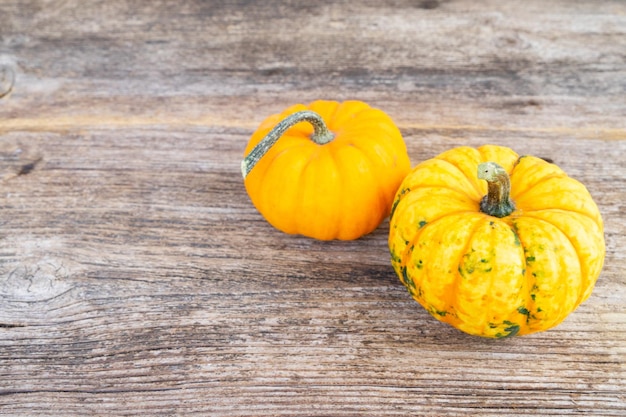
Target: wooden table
(136, 277)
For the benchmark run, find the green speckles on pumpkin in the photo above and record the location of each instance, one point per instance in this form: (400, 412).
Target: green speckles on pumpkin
(523, 310)
(460, 269)
(405, 275)
(516, 237)
(419, 264)
(474, 262)
(394, 257)
(538, 274)
(530, 259)
(485, 261)
(393, 207)
(436, 312)
(396, 201)
(406, 279)
(533, 296)
(511, 330)
(422, 223)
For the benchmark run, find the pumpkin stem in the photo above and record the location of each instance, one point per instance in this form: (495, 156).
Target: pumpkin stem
(497, 202)
(321, 135)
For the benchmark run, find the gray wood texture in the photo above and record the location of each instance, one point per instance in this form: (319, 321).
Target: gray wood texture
(136, 278)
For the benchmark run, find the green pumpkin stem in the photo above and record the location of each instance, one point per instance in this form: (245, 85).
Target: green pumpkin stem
(321, 135)
(497, 202)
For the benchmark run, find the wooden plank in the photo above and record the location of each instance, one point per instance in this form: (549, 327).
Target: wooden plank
(136, 278)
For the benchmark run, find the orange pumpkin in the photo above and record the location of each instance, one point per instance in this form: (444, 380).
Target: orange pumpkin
(328, 170)
(495, 244)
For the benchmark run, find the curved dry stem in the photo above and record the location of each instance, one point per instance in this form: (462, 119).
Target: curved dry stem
(321, 135)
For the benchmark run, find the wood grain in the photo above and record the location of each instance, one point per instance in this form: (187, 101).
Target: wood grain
(137, 279)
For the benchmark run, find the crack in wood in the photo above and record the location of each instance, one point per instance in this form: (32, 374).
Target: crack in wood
(7, 80)
(29, 167)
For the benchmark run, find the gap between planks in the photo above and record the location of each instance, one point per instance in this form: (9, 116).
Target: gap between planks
(82, 122)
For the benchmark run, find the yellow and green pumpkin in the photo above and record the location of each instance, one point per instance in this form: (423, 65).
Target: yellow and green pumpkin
(495, 244)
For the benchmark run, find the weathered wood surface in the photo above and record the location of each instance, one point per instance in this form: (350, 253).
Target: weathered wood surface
(136, 278)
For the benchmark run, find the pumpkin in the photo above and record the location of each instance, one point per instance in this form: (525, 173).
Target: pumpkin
(495, 244)
(328, 170)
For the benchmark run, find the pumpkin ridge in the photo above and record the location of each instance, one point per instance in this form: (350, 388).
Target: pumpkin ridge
(445, 187)
(592, 214)
(529, 278)
(495, 276)
(562, 313)
(594, 219)
(473, 157)
(382, 199)
(342, 186)
(475, 186)
(344, 115)
(319, 106)
(462, 253)
(529, 186)
(408, 252)
(539, 219)
(300, 194)
(397, 199)
(584, 272)
(514, 309)
(270, 162)
(265, 188)
(344, 198)
(450, 213)
(399, 208)
(362, 129)
(529, 282)
(405, 190)
(364, 139)
(532, 281)
(408, 249)
(278, 154)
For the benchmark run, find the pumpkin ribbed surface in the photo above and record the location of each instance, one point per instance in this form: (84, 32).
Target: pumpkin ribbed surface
(342, 189)
(495, 276)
